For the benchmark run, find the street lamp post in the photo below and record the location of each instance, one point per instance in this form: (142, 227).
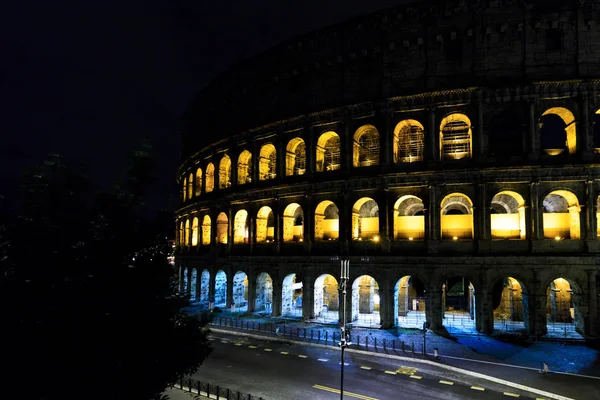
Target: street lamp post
(344, 276)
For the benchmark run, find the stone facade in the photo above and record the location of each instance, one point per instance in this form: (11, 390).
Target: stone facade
(487, 116)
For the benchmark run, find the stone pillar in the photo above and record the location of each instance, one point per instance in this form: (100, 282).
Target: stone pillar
(536, 212)
(229, 301)
(386, 148)
(434, 215)
(585, 133)
(537, 308)
(255, 161)
(308, 298)
(386, 215)
(198, 284)
(345, 222)
(211, 289)
(434, 309)
(278, 228)
(479, 133)
(484, 308)
(433, 135)
(251, 291)
(309, 222)
(592, 327)
(277, 292)
(181, 269)
(386, 305)
(230, 225)
(528, 221)
(485, 232)
(235, 158)
(346, 144)
(309, 137)
(281, 156)
(590, 213)
(532, 134)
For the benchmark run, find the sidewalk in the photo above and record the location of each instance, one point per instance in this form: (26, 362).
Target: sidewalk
(177, 394)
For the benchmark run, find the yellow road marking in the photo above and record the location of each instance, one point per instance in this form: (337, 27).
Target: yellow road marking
(406, 370)
(252, 347)
(391, 372)
(302, 356)
(350, 394)
(367, 368)
(446, 382)
(415, 376)
(481, 389)
(285, 353)
(539, 398)
(511, 394)
(268, 350)
(323, 359)
(239, 344)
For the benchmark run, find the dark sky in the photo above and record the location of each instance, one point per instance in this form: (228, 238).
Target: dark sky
(88, 79)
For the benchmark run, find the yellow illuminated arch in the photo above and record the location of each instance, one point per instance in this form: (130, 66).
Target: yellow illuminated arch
(191, 186)
(295, 157)
(198, 181)
(222, 227)
(507, 217)
(456, 212)
(327, 227)
(365, 227)
(206, 228)
(187, 232)
(570, 129)
(409, 219)
(328, 152)
(409, 141)
(195, 231)
(240, 227)
(267, 162)
(184, 189)
(366, 147)
(210, 178)
(244, 167)
(265, 231)
(455, 137)
(225, 172)
(293, 223)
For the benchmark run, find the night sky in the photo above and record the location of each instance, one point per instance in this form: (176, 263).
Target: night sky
(89, 79)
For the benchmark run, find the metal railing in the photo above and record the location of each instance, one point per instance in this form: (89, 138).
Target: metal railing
(212, 391)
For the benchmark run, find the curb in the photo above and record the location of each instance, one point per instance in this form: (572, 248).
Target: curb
(394, 357)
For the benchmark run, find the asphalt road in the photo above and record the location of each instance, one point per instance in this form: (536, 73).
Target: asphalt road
(276, 371)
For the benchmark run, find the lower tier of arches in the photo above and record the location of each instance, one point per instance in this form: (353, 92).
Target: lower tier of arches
(561, 300)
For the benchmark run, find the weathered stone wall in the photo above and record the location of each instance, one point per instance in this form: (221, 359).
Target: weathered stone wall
(220, 288)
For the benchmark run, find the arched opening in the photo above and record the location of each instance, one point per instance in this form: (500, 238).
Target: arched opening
(265, 225)
(327, 221)
(458, 303)
(210, 178)
(365, 301)
(563, 310)
(267, 162)
(264, 293)
(409, 218)
(293, 223)
(184, 189)
(191, 186)
(409, 302)
(561, 215)
(366, 147)
(328, 152)
(455, 137)
(221, 289)
(241, 227)
(240, 292)
(204, 288)
(222, 226)
(181, 233)
(510, 303)
(193, 283)
(507, 216)
(185, 280)
(365, 220)
(409, 141)
(206, 230)
(198, 181)
(457, 217)
(558, 131)
(187, 232)
(295, 157)
(195, 231)
(596, 128)
(327, 300)
(225, 172)
(244, 167)
(291, 296)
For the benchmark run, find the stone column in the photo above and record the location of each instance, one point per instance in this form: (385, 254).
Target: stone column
(386, 138)
(585, 132)
(230, 225)
(484, 308)
(536, 215)
(235, 157)
(251, 291)
(198, 284)
(537, 308)
(308, 297)
(309, 222)
(310, 148)
(345, 221)
(528, 221)
(229, 301)
(211, 288)
(434, 308)
(433, 136)
(180, 269)
(277, 292)
(434, 215)
(278, 228)
(386, 305)
(479, 132)
(593, 323)
(385, 216)
(484, 214)
(254, 161)
(590, 213)
(346, 144)
(532, 133)
(281, 159)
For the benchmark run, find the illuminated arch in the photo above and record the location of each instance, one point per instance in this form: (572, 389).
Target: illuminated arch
(241, 228)
(264, 293)
(195, 231)
(293, 223)
(204, 287)
(328, 152)
(206, 228)
(240, 291)
(365, 301)
(191, 186)
(455, 137)
(326, 298)
(561, 215)
(184, 189)
(222, 227)
(509, 302)
(365, 219)
(596, 127)
(409, 302)
(265, 225)
(198, 181)
(225, 172)
(221, 289)
(564, 303)
(459, 304)
(181, 233)
(507, 216)
(456, 217)
(295, 157)
(366, 147)
(409, 218)
(267, 162)
(291, 295)
(409, 141)
(209, 184)
(555, 138)
(187, 232)
(327, 221)
(244, 167)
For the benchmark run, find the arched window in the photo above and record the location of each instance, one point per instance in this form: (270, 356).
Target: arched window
(198, 181)
(267, 162)
(409, 139)
(557, 131)
(181, 233)
(244, 167)
(366, 147)
(195, 231)
(365, 220)
(456, 217)
(206, 228)
(507, 216)
(265, 225)
(295, 157)
(328, 152)
(561, 215)
(225, 172)
(210, 178)
(293, 223)
(191, 186)
(455, 137)
(409, 219)
(241, 228)
(187, 232)
(184, 189)
(222, 227)
(327, 221)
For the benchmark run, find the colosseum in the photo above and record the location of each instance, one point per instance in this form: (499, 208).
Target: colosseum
(449, 151)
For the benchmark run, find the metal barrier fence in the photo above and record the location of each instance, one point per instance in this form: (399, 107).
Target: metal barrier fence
(212, 391)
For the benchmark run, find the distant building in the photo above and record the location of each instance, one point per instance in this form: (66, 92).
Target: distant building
(449, 150)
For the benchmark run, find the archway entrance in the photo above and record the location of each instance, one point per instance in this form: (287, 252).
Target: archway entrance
(204, 286)
(458, 302)
(510, 302)
(185, 281)
(193, 283)
(365, 302)
(291, 296)
(409, 302)
(264, 294)
(221, 289)
(327, 299)
(563, 315)
(240, 292)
